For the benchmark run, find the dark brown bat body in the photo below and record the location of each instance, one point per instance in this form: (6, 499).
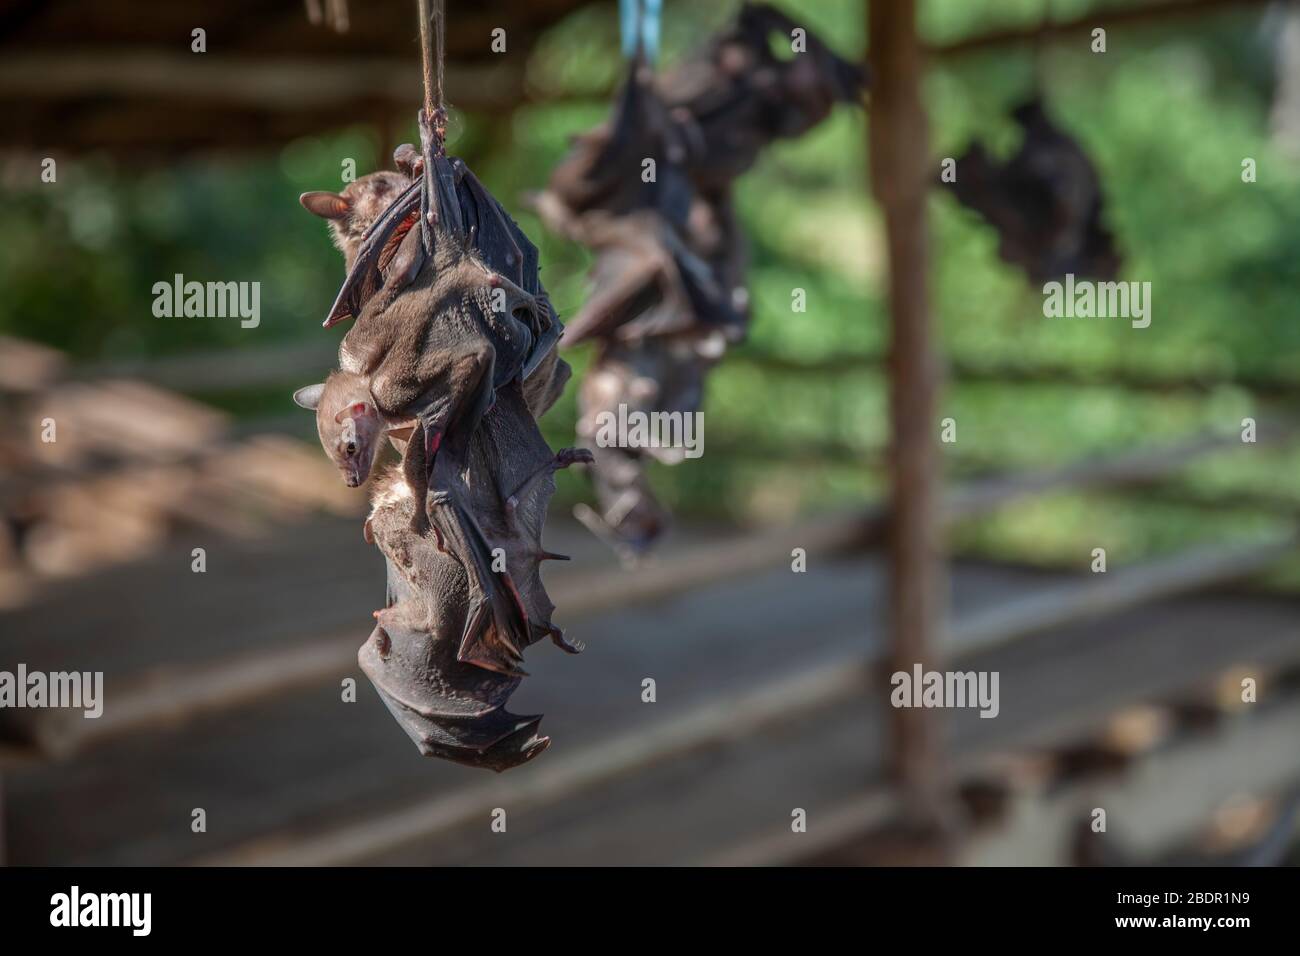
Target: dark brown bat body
(353, 212)
(669, 292)
(453, 352)
(655, 375)
(439, 353)
(738, 96)
(451, 704)
(1045, 202)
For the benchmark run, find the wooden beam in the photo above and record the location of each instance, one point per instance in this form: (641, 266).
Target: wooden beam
(282, 363)
(1108, 19)
(1116, 590)
(900, 179)
(1014, 370)
(288, 84)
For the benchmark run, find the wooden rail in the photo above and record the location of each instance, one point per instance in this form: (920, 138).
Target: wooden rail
(297, 362)
(168, 698)
(1110, 18)
(1155, 808)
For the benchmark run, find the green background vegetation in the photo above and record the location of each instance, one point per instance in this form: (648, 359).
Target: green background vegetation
(1168, 113)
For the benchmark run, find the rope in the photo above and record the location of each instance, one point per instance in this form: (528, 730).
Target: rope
(433, 47)
(1042, 39)
(639, 26)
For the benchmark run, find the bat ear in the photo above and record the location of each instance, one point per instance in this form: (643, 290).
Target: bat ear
(326, 205)
(309, 396)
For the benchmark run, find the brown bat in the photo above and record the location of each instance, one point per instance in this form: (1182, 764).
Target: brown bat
(453, 350)
(738, 96)
(449, 694)
(440, 353)
(669, 292)
(648, 280)
(1045, 202)
(654, 375)
(436, 353)
(351, 214)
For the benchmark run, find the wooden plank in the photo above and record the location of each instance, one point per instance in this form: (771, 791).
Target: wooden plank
(1162, 659)
(978, 497)
(709, 725)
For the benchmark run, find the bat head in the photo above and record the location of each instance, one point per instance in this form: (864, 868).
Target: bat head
(349, 425)
(352, 212)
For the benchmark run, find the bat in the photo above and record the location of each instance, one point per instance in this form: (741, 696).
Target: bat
(659, 374)
(1045, 202)
(490, 526)
(353, 212)
(452, 355)
(454, 708)
(738, 96)
(669, 290)
(647, 278)
(439, 336)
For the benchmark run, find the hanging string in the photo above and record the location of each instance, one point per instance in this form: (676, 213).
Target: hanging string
(433, 47)
(639, 27)
(1042, 38)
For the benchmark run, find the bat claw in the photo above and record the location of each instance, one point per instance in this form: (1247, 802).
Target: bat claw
(557, 637)
(573, 456)
(420, 522)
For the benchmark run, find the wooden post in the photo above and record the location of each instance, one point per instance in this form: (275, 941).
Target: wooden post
(901, 171)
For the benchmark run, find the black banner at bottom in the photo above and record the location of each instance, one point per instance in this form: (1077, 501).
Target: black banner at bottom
(353, 905)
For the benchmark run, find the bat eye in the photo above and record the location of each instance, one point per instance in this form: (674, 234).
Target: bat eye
(352, 448)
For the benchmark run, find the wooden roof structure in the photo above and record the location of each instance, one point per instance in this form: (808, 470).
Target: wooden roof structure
(77, 75)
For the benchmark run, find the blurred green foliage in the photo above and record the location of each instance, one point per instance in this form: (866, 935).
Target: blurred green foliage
(1168, 113)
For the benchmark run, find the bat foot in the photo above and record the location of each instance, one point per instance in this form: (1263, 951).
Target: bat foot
(420, 525)
(573, 456)
(557, 637)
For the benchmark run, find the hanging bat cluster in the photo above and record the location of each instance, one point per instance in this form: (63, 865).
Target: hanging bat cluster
(452, 357)
(1045, 202)
(649, 192)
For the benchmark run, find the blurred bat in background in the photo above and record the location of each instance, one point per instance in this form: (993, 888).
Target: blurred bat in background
(738, 96)
(1045, 202)
(668, 282)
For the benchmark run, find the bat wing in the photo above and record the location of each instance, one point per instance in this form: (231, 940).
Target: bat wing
(503, 246)
(496, 624)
